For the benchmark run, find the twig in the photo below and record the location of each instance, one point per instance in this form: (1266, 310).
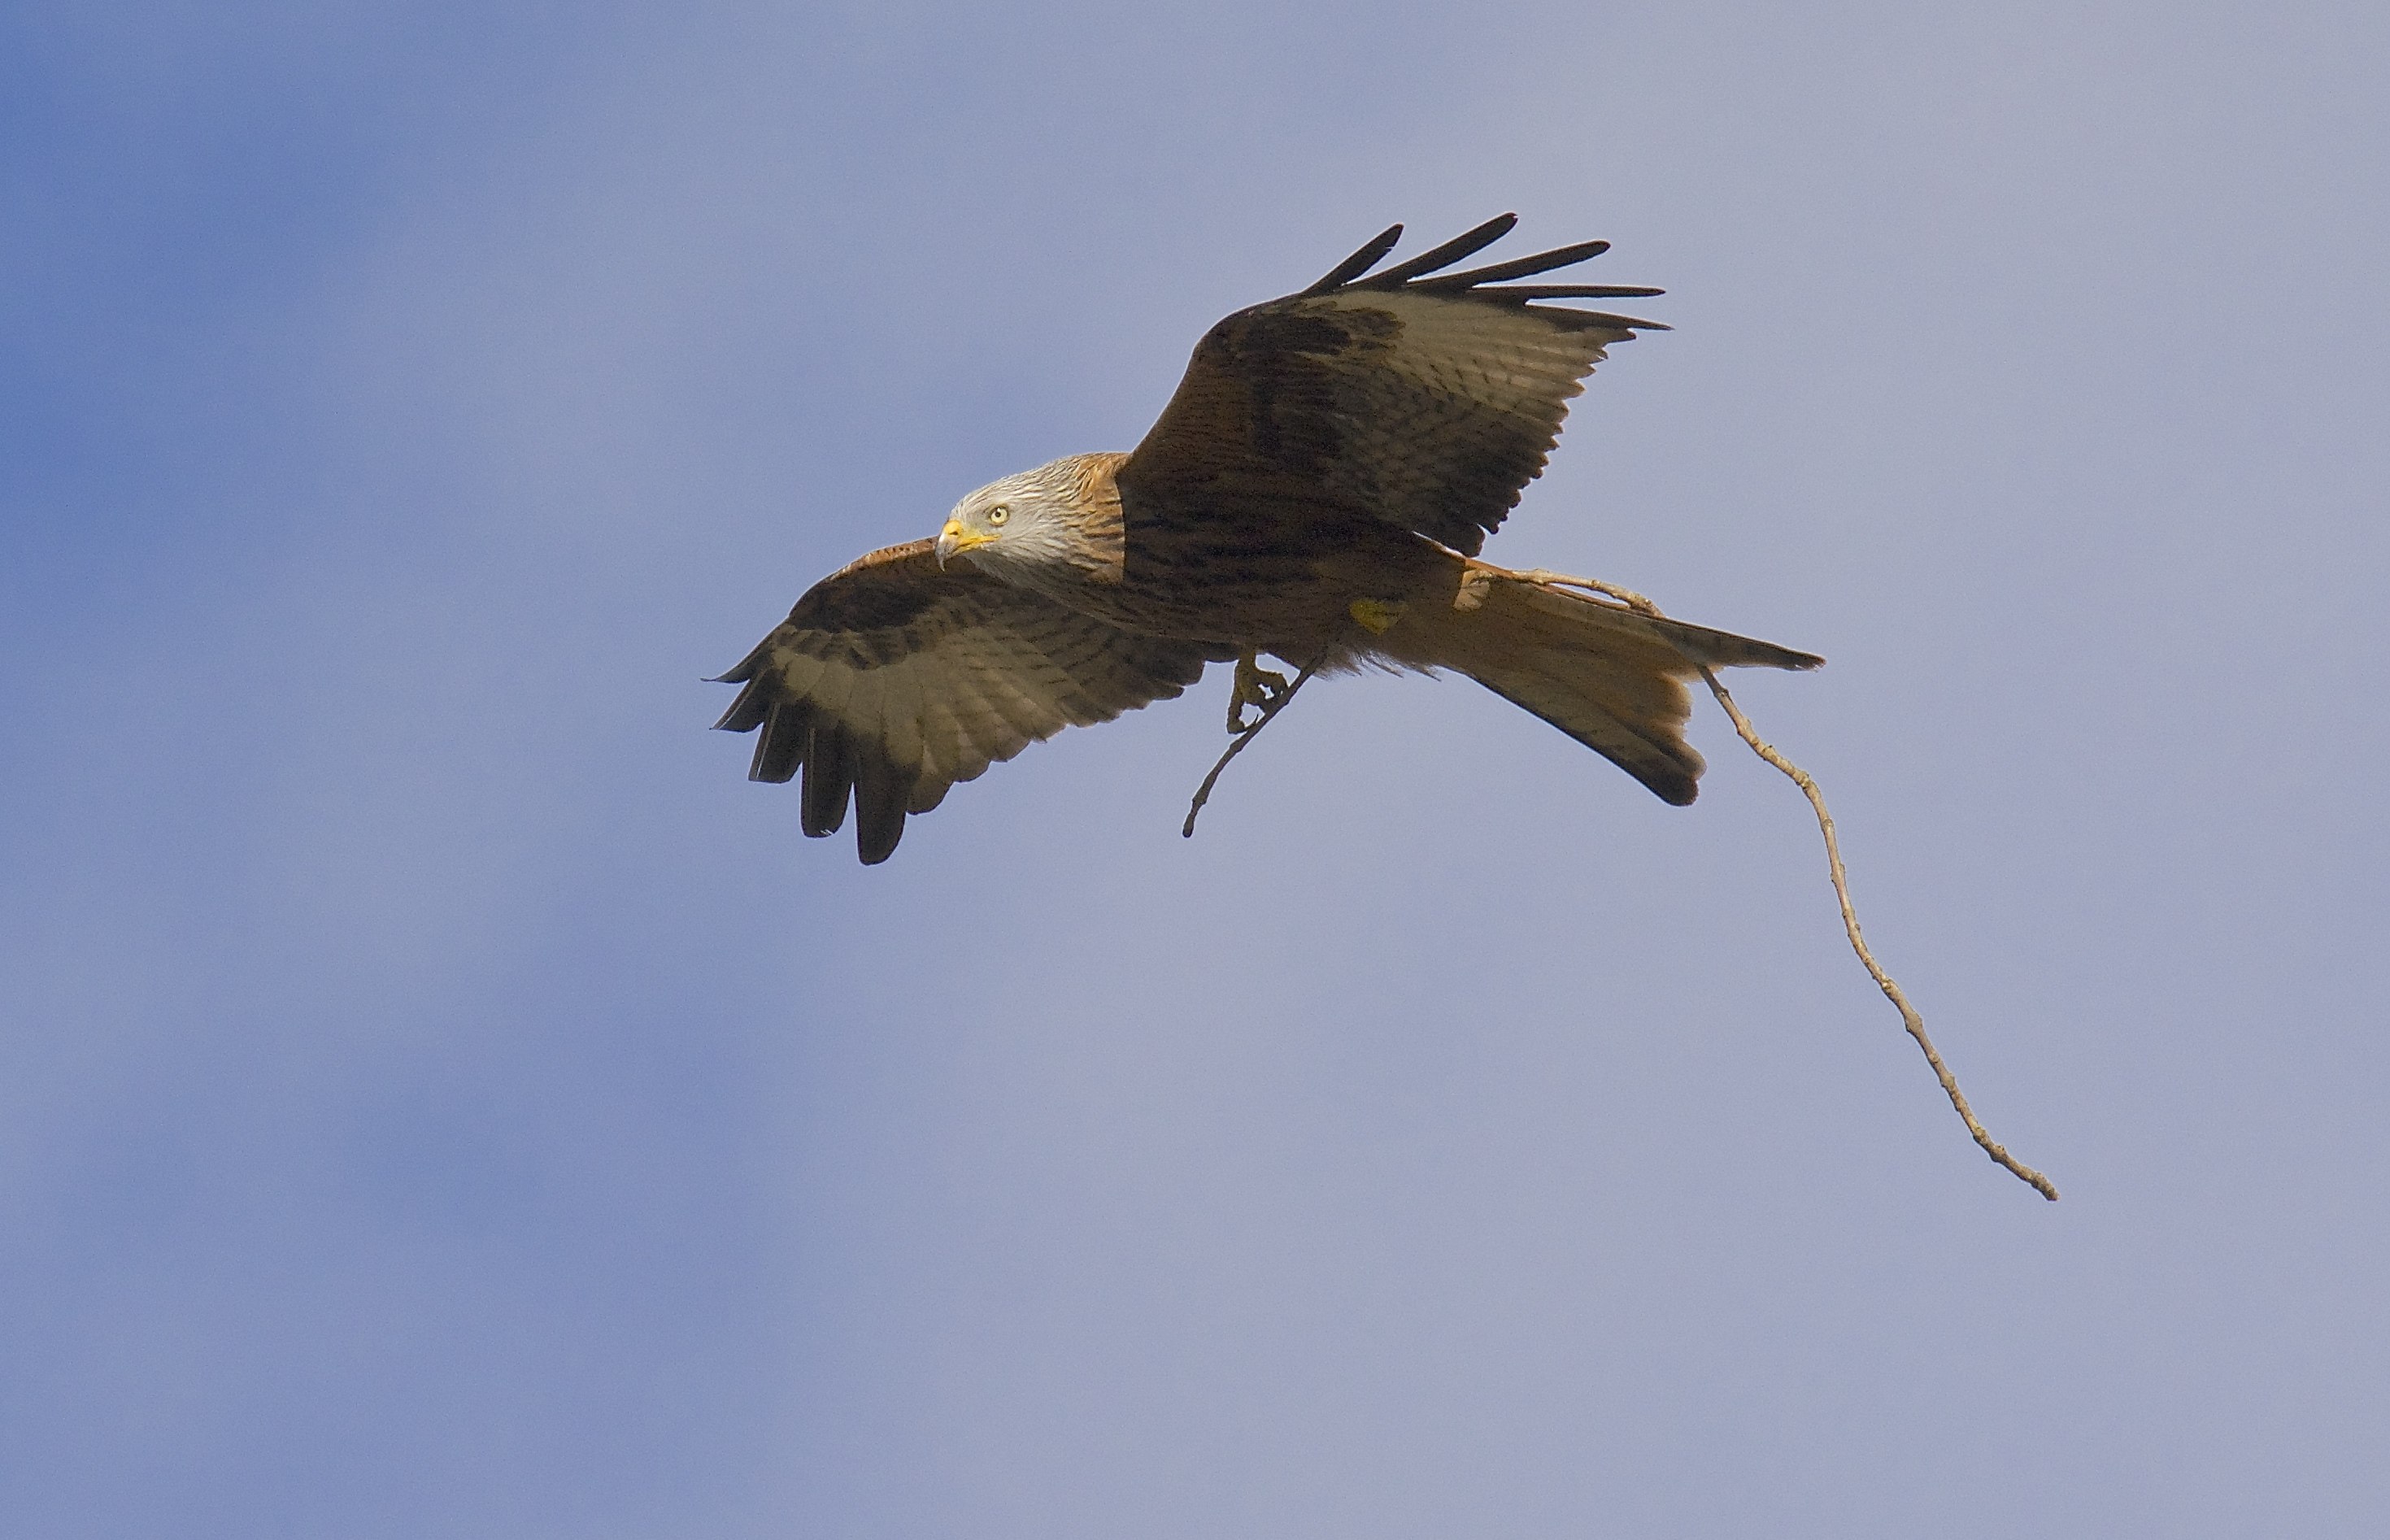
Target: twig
(1800, 777)
(1237, 746)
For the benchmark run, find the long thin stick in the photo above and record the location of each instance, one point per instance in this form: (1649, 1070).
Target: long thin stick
(1204, 793)
(1800, 777)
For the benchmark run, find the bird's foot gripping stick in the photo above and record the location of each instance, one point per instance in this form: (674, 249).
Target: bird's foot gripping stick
(1256, 686)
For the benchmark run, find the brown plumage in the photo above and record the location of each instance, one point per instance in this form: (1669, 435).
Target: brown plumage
(1317, 489)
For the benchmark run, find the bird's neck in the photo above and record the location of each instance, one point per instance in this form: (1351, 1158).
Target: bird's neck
(1096, 514)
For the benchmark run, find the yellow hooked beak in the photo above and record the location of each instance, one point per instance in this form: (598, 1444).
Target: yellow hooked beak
(954, 540)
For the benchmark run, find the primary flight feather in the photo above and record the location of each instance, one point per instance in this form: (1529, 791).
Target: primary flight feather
(1317, 489)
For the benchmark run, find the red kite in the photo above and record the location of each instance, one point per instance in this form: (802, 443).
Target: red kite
(1316, 490)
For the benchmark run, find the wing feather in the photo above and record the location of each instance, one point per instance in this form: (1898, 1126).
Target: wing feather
(1466, 244)
(780, 748)
(1428, 402)
(941, 741)
(894, 678)
(829, 775)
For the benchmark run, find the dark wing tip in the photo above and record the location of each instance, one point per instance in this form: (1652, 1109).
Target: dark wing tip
(876, 836)
(787, 734)
(882, 789)
(829, 775)
(838, 764)
(1358, 263)
(1576, 291)
(1468, 243)
(747, 712)
(1519, 267)
(1478, 283)
(744, 670)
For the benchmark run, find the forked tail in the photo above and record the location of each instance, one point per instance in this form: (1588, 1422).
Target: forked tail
(1610, 678)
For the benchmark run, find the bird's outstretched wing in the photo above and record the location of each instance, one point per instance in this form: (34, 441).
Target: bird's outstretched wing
(894, 678)
(1425, 398)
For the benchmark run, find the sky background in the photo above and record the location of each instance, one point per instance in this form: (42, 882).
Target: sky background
(439, 1096)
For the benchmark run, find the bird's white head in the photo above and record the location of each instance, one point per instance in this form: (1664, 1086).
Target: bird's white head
(1018, 528)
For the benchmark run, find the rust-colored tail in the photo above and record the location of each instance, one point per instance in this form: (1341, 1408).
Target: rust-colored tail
(1610, 678)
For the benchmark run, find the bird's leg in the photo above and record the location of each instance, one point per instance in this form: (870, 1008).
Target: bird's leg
(1255, 686)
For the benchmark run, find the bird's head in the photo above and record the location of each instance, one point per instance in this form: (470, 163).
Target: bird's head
(1011, 527)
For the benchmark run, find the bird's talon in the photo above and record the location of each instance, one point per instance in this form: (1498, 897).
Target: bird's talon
(1256, 686)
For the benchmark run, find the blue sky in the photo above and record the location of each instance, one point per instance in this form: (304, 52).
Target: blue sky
(439, 1094)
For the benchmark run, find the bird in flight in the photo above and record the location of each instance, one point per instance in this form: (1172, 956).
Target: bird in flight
(1317, 489)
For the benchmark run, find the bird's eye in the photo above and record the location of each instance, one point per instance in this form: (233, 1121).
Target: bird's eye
(998, 514)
